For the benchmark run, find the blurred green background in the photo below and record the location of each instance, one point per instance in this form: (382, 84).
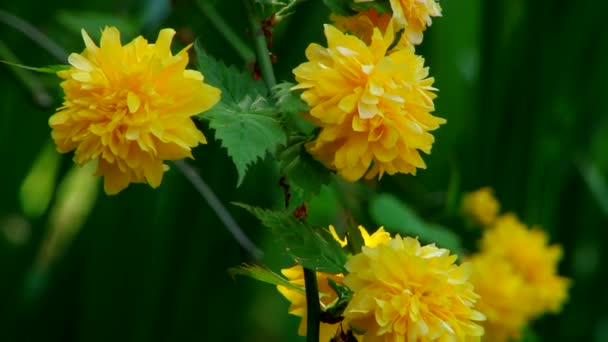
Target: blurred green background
(522, 85)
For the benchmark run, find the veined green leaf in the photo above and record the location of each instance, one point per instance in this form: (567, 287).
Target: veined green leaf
(234, 83)
(245, 120)
(248, 131)
(313, 248)
(397, 217)
(263, 274)
(49, 69)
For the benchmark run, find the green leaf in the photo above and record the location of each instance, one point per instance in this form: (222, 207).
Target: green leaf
(234, 83)
(335, 310)
(304, 174)
(248, 131)
(49, 69)
(245, 120)
(287, 100)
(263, 274)
(312, 248)
(397, 217)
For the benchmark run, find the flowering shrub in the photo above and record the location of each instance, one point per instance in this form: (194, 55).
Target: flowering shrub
(358, 108)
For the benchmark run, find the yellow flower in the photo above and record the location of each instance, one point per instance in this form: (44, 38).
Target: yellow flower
(481, 206)
(129, 108)
(407, 292)
(362, 24)
(380, 236)
(415, 16)
(505, 297)
(373, 109)
(327, 295)
(531, 256)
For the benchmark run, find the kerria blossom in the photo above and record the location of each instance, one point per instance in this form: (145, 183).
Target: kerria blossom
(481, 206)
(362, 24)
(373, 109)
(327, 295)
(505, 298)
(516, 275)
(407, 292)
(531, 255)
(414, 16)
(128, 108)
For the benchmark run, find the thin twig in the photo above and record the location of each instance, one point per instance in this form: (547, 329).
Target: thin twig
(226, 30)
(313, 307)
(34, 34)
(261, 47)
(217, 206)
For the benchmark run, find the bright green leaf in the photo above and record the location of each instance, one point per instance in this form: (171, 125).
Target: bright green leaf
(234, 84)
(313, 248)
(248, 131)
(397, 217)
(263, 274)
(245, 120)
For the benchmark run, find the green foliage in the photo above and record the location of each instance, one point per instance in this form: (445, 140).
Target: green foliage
(397, 217)
(288, 101)
(334, 312)
(304, 175)
(312, 248)
(244, 121)
(263, 274)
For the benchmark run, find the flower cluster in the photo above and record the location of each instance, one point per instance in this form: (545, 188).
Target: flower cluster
(515, 272)
(481, 206)
(402, 291)
(370, 96)
(128, 108)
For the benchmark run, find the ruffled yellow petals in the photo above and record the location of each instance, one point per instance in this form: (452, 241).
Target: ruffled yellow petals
(407, 292)
(129, 108)
(373, 105)
(297, 298)
(414, 16)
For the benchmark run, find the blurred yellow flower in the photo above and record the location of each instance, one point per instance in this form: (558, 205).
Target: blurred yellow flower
(481, 206)
(407, 292)
(327, 295)
(129, 108)
(531, 256)
(373, 109)
(515, 273)
(504, 297)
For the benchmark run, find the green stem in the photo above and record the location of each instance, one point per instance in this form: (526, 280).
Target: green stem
(312, 305)
(261, 47)
(31, 82)
(226, 30)
(219, 209)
